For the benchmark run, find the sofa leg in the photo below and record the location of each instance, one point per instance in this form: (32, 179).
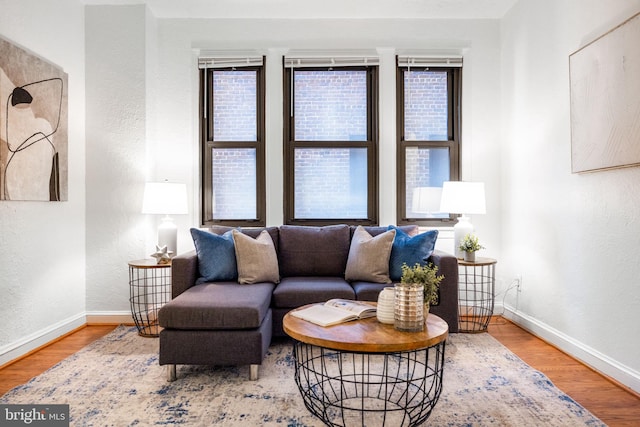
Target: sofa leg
(253, 375)
(171, 373)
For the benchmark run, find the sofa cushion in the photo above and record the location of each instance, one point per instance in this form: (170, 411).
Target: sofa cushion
(256, 258)
(369, 256)
(249, 231)
(368, 291)
(216, 256)
(225, 305)
(313, 251)
(294, 292)
(374, 230)
(410, 250)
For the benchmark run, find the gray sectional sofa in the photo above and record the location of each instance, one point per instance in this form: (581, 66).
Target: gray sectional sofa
(226, 309)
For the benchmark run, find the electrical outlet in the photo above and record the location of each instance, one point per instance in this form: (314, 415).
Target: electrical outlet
(518, 281)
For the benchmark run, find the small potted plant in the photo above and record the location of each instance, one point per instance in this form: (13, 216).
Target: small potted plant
(470, 245)
(427, 277)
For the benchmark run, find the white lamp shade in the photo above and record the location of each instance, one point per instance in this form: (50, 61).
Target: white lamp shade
(165, 198)
(463, 197)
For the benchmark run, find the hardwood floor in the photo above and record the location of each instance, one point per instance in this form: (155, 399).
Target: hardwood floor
(35, 363)
(613, 404)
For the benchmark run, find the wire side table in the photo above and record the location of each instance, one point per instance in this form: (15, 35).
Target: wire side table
(476, 294)
(150, 289)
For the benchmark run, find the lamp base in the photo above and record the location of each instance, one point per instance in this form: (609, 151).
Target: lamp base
(461, 229)
(168, 235)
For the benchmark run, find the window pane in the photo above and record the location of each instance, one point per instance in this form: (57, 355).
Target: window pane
(330, 183)
(234, 183)
(426, 170)
(234, 105)
(330, 105)
(425, 106)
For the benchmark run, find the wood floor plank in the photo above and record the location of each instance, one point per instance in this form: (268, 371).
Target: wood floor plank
(614, 405)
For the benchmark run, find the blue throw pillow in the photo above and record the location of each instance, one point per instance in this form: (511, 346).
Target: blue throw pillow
(216, 256)
(410, 250)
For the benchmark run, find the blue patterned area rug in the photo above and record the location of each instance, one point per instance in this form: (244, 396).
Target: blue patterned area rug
(116, 381)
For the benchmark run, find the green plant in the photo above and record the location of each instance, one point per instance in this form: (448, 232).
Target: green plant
(427, 276)
(470, 243)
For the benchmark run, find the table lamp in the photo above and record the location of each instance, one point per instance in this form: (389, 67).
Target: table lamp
(462, 198)
(166, 198)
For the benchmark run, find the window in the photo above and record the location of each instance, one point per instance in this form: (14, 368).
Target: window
(232, 134)
(428, 106)
(330, 145)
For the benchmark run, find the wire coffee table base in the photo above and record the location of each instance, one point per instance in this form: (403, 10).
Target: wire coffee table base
(374, 389)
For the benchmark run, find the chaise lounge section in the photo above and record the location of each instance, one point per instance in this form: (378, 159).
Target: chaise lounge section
(231, 294)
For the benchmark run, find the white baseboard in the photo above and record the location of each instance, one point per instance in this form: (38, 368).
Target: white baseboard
(585, 354)
(109, 318)
(17, 349)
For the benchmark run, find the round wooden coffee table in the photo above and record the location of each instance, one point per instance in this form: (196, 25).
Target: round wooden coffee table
(365, 372)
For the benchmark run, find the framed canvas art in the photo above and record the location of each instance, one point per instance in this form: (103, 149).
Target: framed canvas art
(33, 127)
(605, 100)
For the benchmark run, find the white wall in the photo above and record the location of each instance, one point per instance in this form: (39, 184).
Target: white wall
(42, 245)
(116, 112)
(572, 237)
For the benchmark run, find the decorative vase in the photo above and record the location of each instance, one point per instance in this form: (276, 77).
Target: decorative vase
(386, 306)
(470, 256)
(409, 306)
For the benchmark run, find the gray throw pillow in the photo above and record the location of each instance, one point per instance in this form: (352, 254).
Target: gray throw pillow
(256, 258)
(369, 256)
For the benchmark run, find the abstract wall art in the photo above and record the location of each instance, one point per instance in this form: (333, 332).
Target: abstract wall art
(33, 127)
(605, 100)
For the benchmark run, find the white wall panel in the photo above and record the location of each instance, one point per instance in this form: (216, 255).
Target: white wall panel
(42, 254)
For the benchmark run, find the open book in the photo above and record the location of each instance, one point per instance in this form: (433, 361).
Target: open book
(335, 311)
